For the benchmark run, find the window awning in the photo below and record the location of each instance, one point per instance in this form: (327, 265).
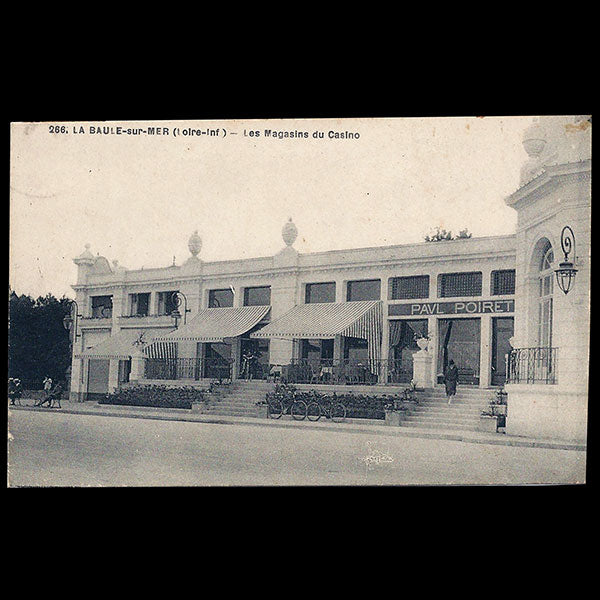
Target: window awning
(326, 320)
(216, 324)
(123, 345)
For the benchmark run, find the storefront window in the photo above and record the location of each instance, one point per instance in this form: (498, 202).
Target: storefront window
(101, 307)
(139, 304)
(220, 298)
(403, 344)
(408, 288)
(257, 296)
(503, 282)
(453, 285)
(319, 292)
(368, 289)
(165, 302)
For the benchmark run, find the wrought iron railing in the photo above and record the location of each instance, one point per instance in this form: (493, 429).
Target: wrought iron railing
(324, 372)
(342, 372)
(532, 365)
(188, 368)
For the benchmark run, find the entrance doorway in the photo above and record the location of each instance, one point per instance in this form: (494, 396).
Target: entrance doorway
(502, 330)
(97, 386)
(216, 363)
(260, 349)
(460, 341)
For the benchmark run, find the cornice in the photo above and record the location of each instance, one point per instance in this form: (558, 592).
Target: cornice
(550, 178)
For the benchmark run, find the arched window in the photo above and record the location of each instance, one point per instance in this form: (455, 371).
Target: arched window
(546, 288)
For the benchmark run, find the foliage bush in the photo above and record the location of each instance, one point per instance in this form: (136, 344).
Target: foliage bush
(157, 396)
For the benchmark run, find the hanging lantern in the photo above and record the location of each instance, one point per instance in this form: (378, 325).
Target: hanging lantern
(565, 274)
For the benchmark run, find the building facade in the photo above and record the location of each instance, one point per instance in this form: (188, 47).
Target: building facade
(387, 315)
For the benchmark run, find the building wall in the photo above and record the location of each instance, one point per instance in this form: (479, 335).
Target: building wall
(559, 410)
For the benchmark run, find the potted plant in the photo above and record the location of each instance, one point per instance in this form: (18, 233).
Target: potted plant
(394, 411)
(488, 422)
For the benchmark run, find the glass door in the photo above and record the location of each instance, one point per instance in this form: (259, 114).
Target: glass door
(460, 341)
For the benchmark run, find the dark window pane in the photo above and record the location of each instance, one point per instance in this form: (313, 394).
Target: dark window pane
(405, 288)
(460, 284)
(166, 304)
(220, 298)
(320, 292)
(364, 290)
(503, 282)
(257, 296)
(101, 306)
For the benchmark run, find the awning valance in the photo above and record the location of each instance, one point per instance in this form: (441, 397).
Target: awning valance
(216, 324)
(123, 345)
(326, 320)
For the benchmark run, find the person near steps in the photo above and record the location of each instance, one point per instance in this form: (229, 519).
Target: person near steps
(451, 379)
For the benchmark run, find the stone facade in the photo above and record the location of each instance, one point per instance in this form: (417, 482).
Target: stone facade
(554, 192)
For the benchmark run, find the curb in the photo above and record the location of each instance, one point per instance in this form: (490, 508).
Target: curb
(380, 430)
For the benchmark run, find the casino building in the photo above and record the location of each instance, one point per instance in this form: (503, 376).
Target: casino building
(381, 316)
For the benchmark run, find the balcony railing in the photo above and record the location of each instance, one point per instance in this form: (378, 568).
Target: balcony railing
(532, 365)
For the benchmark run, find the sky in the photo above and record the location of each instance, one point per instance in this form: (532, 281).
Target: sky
(137, 199)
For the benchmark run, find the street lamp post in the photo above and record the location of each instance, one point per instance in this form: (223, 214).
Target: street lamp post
(565, 274)
(176, 299)
(70, 324)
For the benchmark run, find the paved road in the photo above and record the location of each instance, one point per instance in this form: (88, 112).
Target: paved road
(54, 449)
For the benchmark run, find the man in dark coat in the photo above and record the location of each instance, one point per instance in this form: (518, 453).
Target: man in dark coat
(451, 379)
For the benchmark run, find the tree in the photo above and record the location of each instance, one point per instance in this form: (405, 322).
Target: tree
(441, 235)
(38, 344)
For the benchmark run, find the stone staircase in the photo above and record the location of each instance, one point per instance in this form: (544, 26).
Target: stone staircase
(238, 398)
(434, 412)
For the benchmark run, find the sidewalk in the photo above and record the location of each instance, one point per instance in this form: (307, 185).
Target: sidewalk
(349, 426)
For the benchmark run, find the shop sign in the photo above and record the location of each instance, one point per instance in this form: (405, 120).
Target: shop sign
(468, 307)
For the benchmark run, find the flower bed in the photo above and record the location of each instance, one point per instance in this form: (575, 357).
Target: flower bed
(156, 396)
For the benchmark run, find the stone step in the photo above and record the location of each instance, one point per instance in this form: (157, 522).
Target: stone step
(452, 426)
(440, 423)
(448, 410)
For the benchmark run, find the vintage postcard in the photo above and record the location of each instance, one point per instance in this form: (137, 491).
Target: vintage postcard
(299, 302)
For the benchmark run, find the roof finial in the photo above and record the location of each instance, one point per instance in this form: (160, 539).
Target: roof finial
(195, 244)
(289, 233)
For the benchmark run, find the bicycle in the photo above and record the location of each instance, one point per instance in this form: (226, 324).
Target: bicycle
(332, 408)
(280, 405)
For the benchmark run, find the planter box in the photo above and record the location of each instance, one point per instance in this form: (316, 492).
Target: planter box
(488, 424)
(393, 417)
(199, 407)
(262, 411)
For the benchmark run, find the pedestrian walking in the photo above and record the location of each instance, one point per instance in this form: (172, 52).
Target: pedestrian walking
(451, 379)
(55, 395)
(47, 388)
(12, 390)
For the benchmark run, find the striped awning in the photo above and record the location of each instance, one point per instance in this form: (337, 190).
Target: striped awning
(326, 320)
(122, 345)
(216, 324)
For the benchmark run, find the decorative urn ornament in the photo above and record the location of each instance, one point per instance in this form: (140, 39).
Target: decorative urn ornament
(289, 233)
(423, 343)
(195, 244)
(534, 139)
